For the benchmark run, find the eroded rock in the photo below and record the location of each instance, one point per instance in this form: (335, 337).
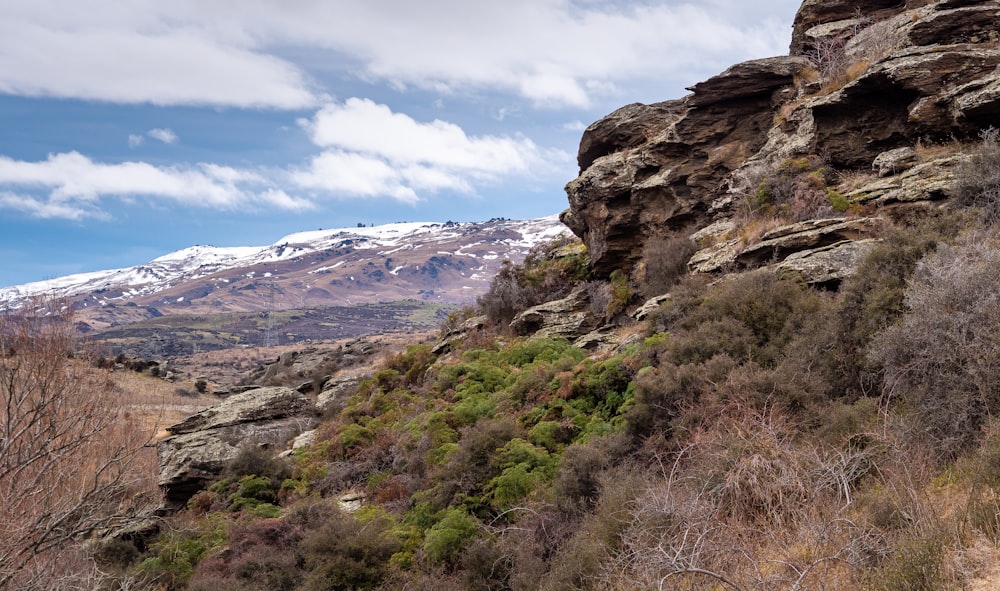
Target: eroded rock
(569, 318)
(203, 444)
(915, 73)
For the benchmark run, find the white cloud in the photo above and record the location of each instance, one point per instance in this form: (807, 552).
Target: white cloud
(231, 52)
(361, 125)
(46, 209)
(135, 140)
(366, 151)
(72, 186)
(372, 151)
(167, 136)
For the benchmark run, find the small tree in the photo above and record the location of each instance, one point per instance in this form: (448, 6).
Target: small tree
(68, 452)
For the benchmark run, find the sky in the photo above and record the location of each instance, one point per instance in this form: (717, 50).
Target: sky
(130, 129)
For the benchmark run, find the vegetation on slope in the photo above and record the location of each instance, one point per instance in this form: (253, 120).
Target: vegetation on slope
(757, 433)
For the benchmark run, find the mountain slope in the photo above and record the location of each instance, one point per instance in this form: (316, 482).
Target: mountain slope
(434, 262)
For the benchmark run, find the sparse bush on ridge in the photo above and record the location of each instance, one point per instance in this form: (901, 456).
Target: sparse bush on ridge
(664, 262)
(547, 273)
(943, 356)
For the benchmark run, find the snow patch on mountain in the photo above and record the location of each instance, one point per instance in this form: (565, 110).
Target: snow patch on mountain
(200, 261)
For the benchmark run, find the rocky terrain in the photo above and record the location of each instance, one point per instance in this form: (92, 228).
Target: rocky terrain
(875, 100)
(773, 372)
(880, 130)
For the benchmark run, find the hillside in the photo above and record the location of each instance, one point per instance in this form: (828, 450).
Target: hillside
(309, 286)
(770, 363)
(440, 263)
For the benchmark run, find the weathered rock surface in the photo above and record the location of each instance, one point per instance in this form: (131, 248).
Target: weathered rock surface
(646, 169)
(339, 388)
(451, 337)
(822, 250)
(828, 264)
(919, 77)
(569, 318)
(202, 445)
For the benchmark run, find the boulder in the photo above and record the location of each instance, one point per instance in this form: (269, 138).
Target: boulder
(338, 389)
(602, 340)
(828, 265)
(894, 161)
(451, 337)
(650, 306)
(569, 318)
(201, 446)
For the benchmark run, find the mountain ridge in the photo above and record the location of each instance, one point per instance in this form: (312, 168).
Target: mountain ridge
(442, 262)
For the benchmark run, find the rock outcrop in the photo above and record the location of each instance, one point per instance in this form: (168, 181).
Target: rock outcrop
(568, 318)
(199, 447)
(882, 95)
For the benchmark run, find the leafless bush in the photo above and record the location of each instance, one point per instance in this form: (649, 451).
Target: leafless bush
(665, 259)
(70, 457)
(829, 56)
(977, 178)
(599, 294)
(943, 357)
(737, 526)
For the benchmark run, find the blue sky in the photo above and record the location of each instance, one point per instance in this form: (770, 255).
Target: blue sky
(132, 129)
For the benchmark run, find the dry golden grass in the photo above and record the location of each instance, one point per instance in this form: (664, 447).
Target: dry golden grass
(852, 180)
(157, 403)
(849, 74)
(750, 229)
(928, 151)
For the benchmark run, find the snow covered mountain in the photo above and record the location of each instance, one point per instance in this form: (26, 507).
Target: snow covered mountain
(442, 262)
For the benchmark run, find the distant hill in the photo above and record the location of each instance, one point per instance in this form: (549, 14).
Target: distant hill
(439, 263)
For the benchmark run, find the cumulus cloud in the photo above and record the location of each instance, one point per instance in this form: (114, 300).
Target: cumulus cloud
(135, 140)
(365, 150)
(228, 52)
(369, 150)
(167, 136)
(72, 186)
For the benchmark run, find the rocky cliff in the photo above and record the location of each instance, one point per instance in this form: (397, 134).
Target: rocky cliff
(864, 120)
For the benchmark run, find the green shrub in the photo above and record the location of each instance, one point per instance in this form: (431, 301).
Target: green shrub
(872, 299)
(445, 540)
(621, 294)
(915, 565)
(176, 553)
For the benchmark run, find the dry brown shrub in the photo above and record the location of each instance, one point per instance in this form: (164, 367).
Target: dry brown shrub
(748, 504)
(943, 357)
(665, 259)
(71, 456)
(977, 177)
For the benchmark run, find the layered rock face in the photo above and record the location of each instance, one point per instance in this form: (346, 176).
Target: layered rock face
(201, 446)
(879, 94)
